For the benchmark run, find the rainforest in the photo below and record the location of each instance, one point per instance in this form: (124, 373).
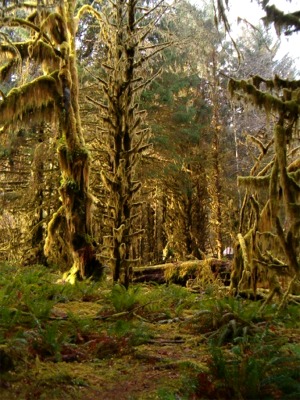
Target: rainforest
(150, 201)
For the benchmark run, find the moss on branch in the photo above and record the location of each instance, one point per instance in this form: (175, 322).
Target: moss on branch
(264, 100)
(254, 182)
(34, 95)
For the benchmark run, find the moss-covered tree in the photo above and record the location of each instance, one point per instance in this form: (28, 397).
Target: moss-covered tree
(272, 240)
(125, 27)
(52, 94)
(268, 241)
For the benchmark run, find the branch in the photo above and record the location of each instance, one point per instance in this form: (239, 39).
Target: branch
(33, 96)
(26, 24)
(264, 100)
(89, 9)
(282, 20)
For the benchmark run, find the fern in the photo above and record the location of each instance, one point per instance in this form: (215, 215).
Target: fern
(124, 299)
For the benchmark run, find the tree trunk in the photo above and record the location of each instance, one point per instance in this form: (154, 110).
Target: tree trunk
(38, 235)
(216, 124)
(74, 161)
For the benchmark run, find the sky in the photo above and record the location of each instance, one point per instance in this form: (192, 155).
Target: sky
(250, 10)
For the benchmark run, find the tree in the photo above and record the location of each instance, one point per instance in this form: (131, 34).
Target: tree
(176, 170)
(271, 242)
(125, 27)
(258, 57)
(52, 95)
(181, 105)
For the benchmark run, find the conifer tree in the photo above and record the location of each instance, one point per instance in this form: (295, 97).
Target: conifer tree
(125, 27)
(185, 108)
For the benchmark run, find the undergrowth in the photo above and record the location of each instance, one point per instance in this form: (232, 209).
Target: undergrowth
(248, 354)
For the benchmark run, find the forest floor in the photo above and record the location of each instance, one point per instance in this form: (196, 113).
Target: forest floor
(93, 341)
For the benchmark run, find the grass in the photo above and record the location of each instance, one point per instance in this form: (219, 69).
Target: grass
(62, 341)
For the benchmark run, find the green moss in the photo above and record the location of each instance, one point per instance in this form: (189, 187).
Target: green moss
(80, 153)
(55, 221)
(254, 182)
(69, 185)
(181, 272)
(261, 99)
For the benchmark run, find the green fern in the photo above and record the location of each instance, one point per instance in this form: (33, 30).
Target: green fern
(256, 367)
(134, 332)
(124, 299)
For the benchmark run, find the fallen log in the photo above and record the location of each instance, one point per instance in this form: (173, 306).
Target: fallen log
(181, 272)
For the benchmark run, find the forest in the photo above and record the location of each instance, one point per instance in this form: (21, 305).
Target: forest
(149, 201)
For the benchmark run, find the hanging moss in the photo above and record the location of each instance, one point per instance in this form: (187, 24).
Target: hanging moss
(55, 25)
(254, 182)
(7, 70)
(262, 99)
(65, 77)
(20, 101)
(281, 20)
(273, 244)
(37, 50)
(53, 226)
